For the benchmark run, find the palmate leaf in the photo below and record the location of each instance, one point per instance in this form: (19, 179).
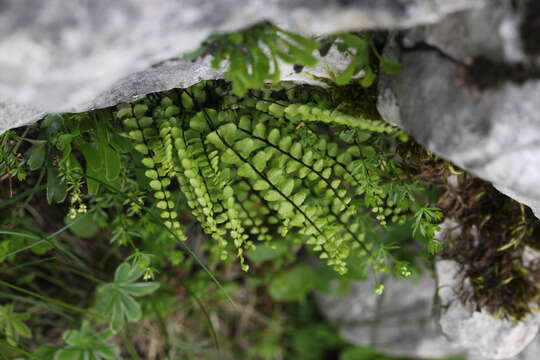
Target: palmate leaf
(87, 344)
(117, 299)
(12, 325)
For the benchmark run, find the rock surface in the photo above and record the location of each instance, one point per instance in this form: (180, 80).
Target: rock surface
(58, 57)
(426, 318)
(478, 331)
(399, 322)
(488, 128)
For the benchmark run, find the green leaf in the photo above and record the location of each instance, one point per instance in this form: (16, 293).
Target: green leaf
(273, 136)
(355, 42)
(286, 209)
(228, 132)
(84, 228)
(272, 195)
(131, 308)
(53, 123)
(198, 122)
(117, 299)
(12, 325)
(368, 78)
(68, 354)
(261, 185)
(87, 344)
(259, 160)
(287, 187)
(296, 150)
(37, 156)
(56, 189)
(140, 288)
(127, 273)
(245, 170)
(245, 146)
(111, 162)
(347, 74)
(93, 185)
(91, 154)
(230, 157)
(215, 140)
(117, 316)
(120, 143)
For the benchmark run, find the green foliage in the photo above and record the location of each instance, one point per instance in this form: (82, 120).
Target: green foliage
(12, 324)
(10, 163)
(254, 55)
(257, 168)
(87, 344)
(266, 177)
(117, 299)
(424, 228)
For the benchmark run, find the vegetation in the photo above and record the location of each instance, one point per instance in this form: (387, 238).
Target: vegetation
(208, 215)
(494, 242)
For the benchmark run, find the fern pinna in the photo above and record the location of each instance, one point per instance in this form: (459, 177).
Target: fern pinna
(270, 166)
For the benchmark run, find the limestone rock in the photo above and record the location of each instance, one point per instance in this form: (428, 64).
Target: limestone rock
(478, 331)
(399, 322)
(492, 131)
(57, 56)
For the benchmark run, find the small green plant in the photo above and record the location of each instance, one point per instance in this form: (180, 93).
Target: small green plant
(254, 54)
(86, 343)
(258, 167)
(117, 299)
(12, 324)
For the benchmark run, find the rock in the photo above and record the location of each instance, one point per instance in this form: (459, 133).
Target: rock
(13, 115)
(531, 352)
(425, 318)
(399, 322)
(472, 29)
(478, 331)
(58, 57)
(490, 128)
(532, 203)
(177, 73)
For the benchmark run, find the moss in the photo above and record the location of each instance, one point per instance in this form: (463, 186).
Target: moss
(496, 231)
(354, 99)
(502, 283)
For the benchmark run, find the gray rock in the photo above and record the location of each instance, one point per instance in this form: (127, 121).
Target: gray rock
(493, 133)
(399, 322)
(57, 56)
(177, 73)
(478, 331)
(13, 115)
(532, 203)
(479, 30)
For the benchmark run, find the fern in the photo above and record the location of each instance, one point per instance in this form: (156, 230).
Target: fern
(142, 129)
(258, 168)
